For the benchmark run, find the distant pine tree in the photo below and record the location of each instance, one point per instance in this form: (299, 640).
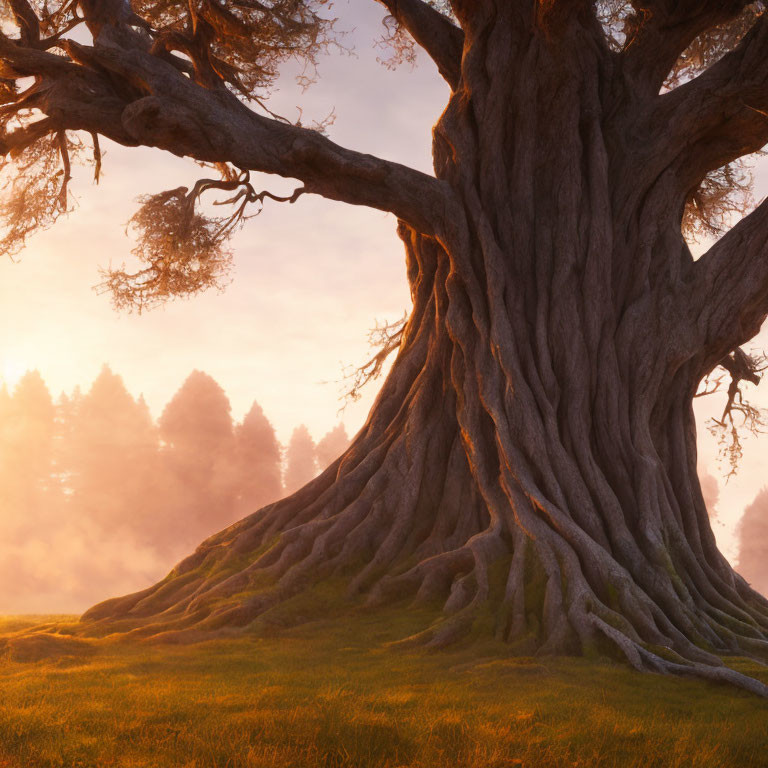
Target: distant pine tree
(258, 462)
(109, 454)
(301, 465)
(198, 418)
(26, 449)
(87, 535)
(752, 533)
(332, 446)
(197, 433)
(6, 409)
(29, 495)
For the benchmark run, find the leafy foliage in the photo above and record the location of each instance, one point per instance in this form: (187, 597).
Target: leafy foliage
(623, 20)
(712, 44)
(184, 253)
(242, 42)
(34, 186)
(723, 194)
(241, 45)
(238, 44)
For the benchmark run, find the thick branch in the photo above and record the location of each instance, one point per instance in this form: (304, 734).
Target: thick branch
(719, 116)
(27, 21)
(441, 39)
(118, 89)
(660, 30)
(728, 301)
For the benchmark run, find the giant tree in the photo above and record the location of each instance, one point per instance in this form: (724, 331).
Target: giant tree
(535, 436)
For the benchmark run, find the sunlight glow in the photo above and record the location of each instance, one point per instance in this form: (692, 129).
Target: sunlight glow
(13, 368)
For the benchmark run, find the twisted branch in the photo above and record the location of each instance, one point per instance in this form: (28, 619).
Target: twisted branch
(131, 87)
(434, 32)
(184, 251)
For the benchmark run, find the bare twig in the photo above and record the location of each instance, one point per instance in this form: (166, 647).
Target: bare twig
(384, 338)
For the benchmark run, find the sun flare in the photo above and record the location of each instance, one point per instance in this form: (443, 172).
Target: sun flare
(13, 368)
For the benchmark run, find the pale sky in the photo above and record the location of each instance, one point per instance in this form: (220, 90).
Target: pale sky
(310, 279)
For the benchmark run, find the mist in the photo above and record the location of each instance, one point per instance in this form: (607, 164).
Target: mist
(752, 533)
(98, 499)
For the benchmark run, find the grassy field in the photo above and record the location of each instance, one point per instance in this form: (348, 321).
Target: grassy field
(331, 694)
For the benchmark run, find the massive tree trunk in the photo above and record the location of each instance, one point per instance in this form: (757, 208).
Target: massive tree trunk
(537, 424)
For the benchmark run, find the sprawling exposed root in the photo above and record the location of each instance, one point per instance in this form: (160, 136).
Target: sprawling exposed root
(530, 463)
(453, 495)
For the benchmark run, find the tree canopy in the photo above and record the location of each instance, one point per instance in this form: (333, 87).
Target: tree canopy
(193, 77)
(165, 74)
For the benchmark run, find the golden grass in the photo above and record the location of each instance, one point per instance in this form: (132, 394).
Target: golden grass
(330, 694)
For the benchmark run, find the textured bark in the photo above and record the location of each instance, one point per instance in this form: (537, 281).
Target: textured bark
(538, 419)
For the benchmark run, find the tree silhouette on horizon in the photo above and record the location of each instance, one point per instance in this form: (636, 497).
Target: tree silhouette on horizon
(258, 460)
(300, 459)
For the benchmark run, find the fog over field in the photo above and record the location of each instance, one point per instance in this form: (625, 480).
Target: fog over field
(98, 498)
